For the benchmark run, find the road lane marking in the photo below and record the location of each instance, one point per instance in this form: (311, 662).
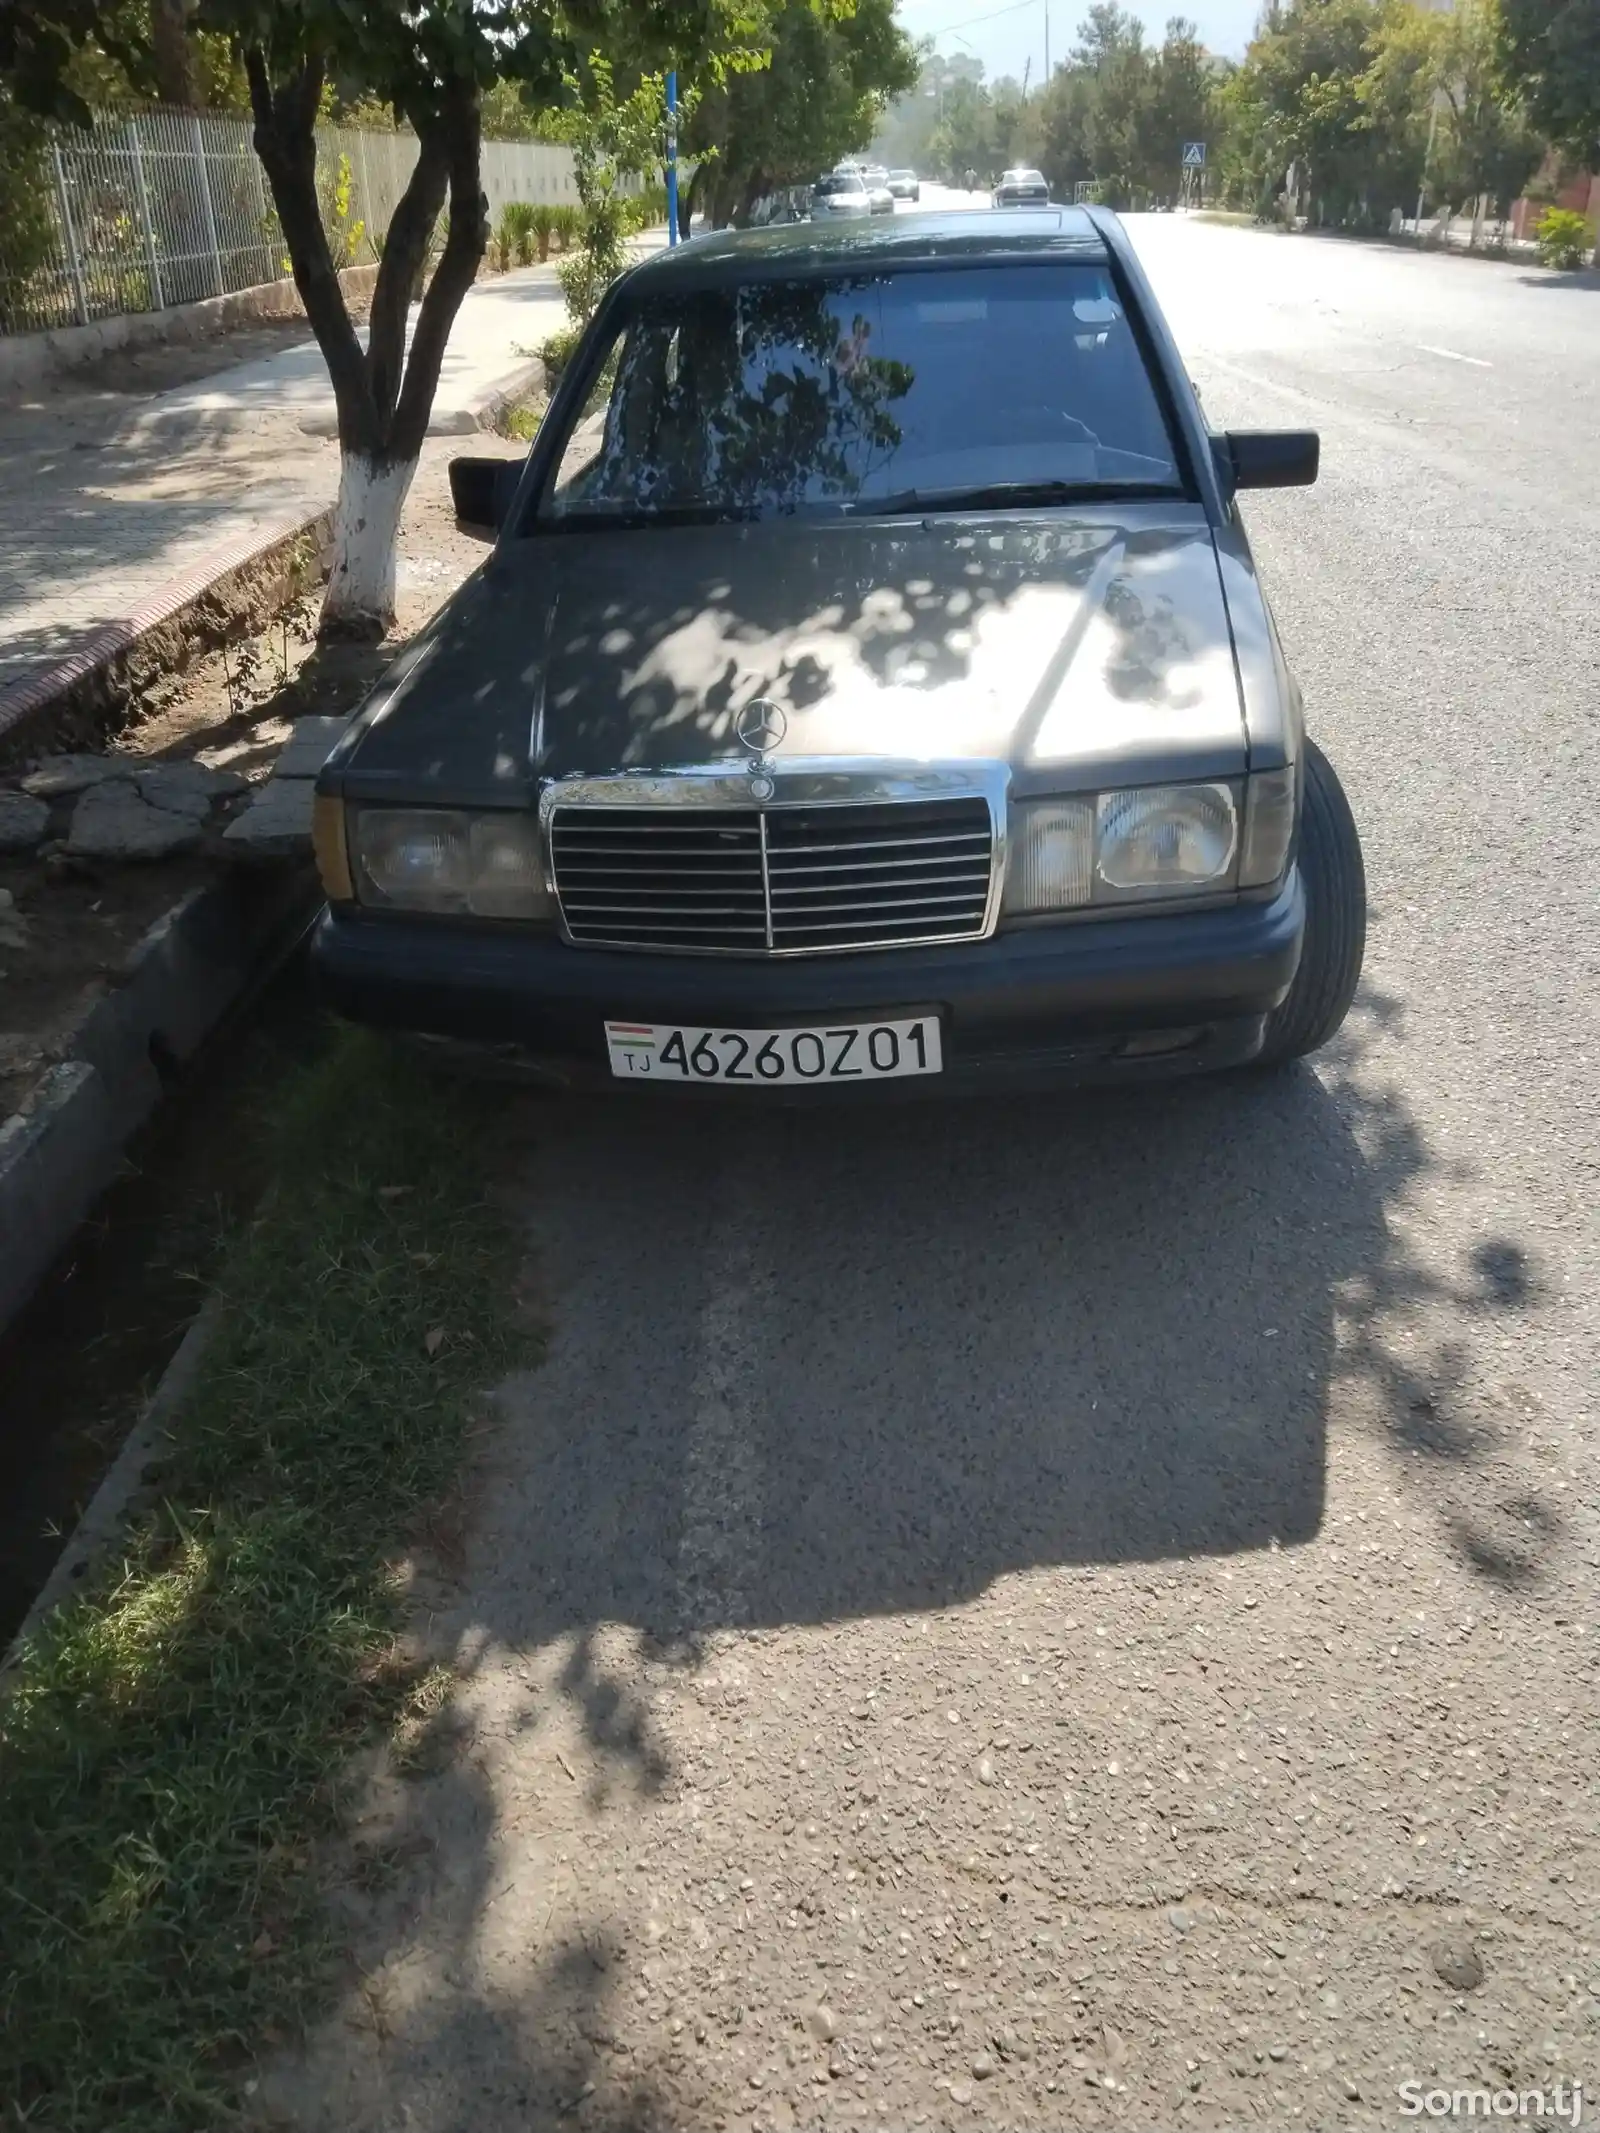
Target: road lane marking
(722, 1465)
(1454, 355)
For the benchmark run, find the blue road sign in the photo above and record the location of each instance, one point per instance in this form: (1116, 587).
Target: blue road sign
(1194, 155)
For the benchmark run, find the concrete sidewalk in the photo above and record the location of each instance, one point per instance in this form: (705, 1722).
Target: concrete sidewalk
(113, 516)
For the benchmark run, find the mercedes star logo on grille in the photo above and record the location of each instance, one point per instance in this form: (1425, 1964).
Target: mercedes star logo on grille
(761, 725)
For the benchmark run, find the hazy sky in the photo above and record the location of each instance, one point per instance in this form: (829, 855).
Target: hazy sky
(1006, 35)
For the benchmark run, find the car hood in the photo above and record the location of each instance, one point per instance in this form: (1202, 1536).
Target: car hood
(1076, 650)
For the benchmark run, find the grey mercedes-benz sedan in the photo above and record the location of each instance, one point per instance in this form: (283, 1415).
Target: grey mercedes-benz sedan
(869, 684)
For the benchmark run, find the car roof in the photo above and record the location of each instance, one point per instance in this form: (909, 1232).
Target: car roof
(959, 235)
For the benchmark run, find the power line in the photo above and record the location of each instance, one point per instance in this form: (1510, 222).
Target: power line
(989, 14)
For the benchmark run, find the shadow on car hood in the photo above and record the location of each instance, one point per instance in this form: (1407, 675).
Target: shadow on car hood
(1075, 649)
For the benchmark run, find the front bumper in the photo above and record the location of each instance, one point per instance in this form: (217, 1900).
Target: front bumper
(1095, 1000)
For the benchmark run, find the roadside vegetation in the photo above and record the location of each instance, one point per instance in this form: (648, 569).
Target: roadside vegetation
(171, 1741)
(1343, 114)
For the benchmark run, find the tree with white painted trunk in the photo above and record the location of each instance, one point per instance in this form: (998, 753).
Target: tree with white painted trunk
(432, 61)
(383, 391)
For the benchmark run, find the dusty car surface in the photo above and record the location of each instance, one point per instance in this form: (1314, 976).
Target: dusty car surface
(870, 683)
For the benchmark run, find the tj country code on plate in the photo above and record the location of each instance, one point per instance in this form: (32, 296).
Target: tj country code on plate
(767, 1058)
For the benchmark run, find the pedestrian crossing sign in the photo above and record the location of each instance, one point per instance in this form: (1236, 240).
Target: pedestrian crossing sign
(1194, 155)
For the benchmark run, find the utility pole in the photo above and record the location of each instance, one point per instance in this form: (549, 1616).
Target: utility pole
(672, 156)
(1047, 43)
(1427, 158)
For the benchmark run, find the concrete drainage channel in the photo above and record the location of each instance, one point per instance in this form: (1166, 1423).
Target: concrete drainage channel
(58, 1155)
(145, 1052)
(61, 1151)
(139, 1157)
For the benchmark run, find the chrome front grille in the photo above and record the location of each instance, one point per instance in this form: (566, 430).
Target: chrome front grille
(786, 880)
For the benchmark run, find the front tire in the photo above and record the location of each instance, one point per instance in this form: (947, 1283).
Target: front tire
(1335, 884)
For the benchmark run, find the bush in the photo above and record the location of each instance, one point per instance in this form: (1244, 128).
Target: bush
(1563, 237)
(27, 229)
(345, 229)
(646, 210)
(515, 233)
(543, 224)
(556, 352)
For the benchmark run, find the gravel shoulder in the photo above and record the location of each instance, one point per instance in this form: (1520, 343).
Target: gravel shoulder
(1081, 1615)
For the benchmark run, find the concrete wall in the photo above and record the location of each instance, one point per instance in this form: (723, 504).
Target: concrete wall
(28, 360)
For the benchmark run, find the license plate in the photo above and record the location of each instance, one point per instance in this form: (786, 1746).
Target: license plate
(768, 1058)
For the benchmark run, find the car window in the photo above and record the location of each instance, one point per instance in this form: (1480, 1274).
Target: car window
(840, 182)
(774, 397)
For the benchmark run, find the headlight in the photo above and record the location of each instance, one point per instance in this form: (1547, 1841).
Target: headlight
(1148, 842)
(1051, 867)
(1165, 840)
(447, 861)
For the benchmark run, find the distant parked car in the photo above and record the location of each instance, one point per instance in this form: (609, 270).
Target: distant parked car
(903, 185)
(1022, 188)
(790, 203)
(841, 192)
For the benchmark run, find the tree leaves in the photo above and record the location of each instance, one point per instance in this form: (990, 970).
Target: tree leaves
(1552, 49)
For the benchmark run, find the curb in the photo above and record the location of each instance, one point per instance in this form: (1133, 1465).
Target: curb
(122, 1487)
(479, 411)
(59, 1154)
(84, 671)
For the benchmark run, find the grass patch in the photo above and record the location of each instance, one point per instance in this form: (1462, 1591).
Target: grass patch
(521, 421)
(170, 1739)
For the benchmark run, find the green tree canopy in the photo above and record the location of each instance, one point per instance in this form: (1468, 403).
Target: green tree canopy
(1552, 51)
(832, 70)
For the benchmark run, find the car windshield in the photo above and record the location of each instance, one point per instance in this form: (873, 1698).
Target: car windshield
(892, 391)
(841, 182)
(902, 173)
(1023, 177)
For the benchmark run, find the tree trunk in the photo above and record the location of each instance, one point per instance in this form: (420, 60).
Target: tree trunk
(383, 395)
(689, 205)
(749, 193)
(172, 50)
(366, 527)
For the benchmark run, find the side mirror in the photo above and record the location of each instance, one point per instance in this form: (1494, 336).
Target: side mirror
(481, 490)
(1267, 459)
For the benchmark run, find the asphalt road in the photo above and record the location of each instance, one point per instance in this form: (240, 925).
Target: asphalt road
(1082, 1613)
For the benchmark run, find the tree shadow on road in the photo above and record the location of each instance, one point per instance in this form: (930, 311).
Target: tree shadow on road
(969, 1341)
(1582, 281)
(882, 1359)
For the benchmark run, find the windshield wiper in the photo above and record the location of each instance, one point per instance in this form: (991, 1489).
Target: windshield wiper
(998, 494)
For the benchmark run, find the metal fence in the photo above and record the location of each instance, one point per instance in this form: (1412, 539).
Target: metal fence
(163, 207)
